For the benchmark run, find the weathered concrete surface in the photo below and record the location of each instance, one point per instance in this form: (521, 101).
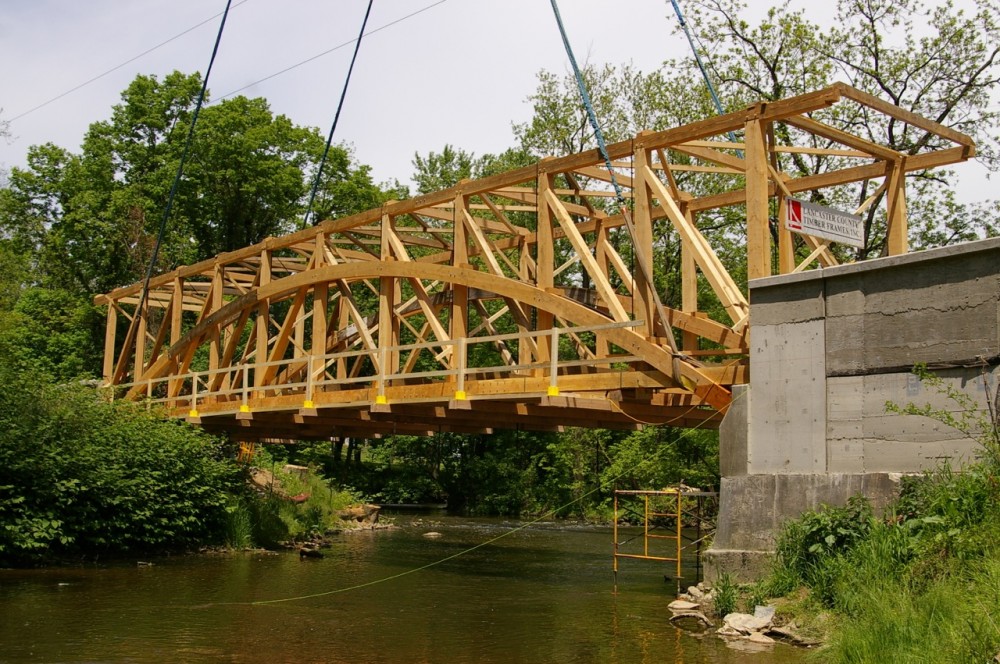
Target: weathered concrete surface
(828, 349)
(789, 360)
(899, 314)
(733, 434)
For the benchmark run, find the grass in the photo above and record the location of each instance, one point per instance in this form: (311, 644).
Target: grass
(271, 518)
(951, 619)
(727, 594)
(918, 585)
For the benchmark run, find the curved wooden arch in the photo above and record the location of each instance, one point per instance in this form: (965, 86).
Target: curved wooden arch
(565, 309)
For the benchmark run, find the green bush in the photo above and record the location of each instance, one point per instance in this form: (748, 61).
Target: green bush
(805, 544)
(82, 476)
(727, 593)
(273, 518)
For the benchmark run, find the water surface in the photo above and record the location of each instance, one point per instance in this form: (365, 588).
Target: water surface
(541, 594)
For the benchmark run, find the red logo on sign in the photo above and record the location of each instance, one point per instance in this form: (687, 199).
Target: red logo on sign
(794, 215)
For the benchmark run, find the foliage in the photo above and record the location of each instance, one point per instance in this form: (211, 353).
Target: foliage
(950, 620)
(274, 518)
(82, 476)
(514, 472)
(51, 332)
(726, 595)
(663, 456)
(89, 220)
(922, 579)
(440, 170)
(939, 62)
(978, 421)
(822, 533)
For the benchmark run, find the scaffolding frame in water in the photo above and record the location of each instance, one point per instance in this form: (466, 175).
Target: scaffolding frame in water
(678, 514)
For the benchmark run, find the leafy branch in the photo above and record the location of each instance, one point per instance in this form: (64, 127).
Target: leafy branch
(971, 418)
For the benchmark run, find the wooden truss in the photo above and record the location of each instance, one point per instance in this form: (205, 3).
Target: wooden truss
(519, 300)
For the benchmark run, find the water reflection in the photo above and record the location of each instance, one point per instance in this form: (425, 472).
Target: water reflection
(542, 594)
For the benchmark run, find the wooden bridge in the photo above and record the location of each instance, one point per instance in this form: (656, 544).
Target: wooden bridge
(518, 300)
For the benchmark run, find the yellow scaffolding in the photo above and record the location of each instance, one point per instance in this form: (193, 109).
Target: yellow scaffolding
(678, 513)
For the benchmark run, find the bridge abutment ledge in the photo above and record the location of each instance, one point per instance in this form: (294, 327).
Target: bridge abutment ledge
(828, 349)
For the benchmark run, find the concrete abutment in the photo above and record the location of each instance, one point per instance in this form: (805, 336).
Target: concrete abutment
(828, 349)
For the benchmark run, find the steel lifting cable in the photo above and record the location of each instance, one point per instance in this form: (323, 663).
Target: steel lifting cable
(623, 208)
(701, 64)
(336, 117)
(177, 178)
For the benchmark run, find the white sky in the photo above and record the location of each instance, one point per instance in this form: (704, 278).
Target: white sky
(458, 73)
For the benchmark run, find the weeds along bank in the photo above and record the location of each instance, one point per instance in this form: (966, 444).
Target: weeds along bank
(282, 507)
(919, 583)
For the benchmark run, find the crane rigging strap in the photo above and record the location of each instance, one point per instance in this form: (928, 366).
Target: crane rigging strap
(336, 117)
(645, 266)
(140, 310)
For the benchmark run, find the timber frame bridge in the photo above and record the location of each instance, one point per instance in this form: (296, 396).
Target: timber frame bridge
(454, 310)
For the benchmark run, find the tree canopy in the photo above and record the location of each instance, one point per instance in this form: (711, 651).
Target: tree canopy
(89, 220)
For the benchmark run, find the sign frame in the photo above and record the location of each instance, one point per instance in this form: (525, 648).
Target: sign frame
(824, 222)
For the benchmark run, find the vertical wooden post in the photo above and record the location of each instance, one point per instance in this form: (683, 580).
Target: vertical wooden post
(140, 340)
(176, 329)
(601, 348)
(757, 179)
(459, 318)
(786, 243)
(321, 302)
(343, 315)
(553, 362)
(545, 257)
(689, 284)
(897, 241)
(215, 348)
(110, 331)
(643, 221)
(263, 322)
(388, 323)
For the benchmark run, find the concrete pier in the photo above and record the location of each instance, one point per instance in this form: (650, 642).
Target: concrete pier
(828, 349)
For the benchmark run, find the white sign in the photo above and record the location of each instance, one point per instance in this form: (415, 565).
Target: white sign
(824, 222)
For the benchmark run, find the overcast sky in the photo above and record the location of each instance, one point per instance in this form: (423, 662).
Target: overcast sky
(457, 72)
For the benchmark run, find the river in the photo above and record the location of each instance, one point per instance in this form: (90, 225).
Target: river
(543, 593)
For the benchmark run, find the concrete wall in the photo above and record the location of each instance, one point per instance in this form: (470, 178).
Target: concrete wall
(828, 349)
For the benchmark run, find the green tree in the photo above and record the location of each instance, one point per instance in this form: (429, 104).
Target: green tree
(940, 62)
(244, 181)
(51, 332)
(440, 170)
(90, 220)
(79, 475)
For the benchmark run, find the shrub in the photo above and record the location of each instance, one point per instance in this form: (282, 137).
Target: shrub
(82, 476)
(805, 543)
